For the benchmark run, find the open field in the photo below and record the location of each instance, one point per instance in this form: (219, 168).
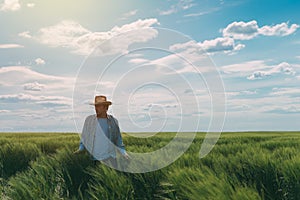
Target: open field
(250, 165)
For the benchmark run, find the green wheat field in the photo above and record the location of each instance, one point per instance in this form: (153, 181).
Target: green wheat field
(244, 165)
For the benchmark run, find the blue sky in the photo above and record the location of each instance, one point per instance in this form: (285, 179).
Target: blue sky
(182, 65)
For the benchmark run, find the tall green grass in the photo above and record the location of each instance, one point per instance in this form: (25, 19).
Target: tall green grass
(52, 177)
(16, 157)
(240, 166)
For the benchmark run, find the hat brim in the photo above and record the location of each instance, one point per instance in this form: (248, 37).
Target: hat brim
(102, 103)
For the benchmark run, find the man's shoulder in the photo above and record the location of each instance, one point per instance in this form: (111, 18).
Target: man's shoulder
(113, 118)
(90, 117)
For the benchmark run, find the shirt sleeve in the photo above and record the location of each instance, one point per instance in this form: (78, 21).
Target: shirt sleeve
(121, 146)
(81, 145)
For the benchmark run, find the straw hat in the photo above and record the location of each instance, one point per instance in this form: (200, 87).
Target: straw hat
(101, 100)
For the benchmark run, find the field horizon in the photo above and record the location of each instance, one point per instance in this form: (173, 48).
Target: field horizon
(225, 132)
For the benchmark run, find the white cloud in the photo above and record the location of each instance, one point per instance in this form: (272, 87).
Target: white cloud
(71, 35)
(258, 75)
(196, 14)
(48, 101)
(25, 72)
(39, 61)
(248, 30)
(285, 68)
(287, 109)
(240, 93)
(227, 44)
(25, 34)
(138, 60)
(282, 68)
(168, 12)
(187, 57)
(245, 67)
(279, 29)
(285, 91)
(10, 5)
(30, 5)
(190, 46)
(221, 44)
(37, 117)
(175, 64)
(35, 86)
(179, 6)
(129, 14)
(10, 46)
(210, 46)
(134, 55)
(258, 69)
(62, 34)
(280, 103)
(13, 77)
(201, 13)
(241, 30)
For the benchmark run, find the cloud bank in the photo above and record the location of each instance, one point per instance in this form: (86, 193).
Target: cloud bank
(248, 30)
(71, 35)
(10, 46)
(10, 5)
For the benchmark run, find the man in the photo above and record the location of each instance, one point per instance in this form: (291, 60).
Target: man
(101, 134)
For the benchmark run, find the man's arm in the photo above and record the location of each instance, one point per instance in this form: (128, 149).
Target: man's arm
(81, 147)
(120, 144)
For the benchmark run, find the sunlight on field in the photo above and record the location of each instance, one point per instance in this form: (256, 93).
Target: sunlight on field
(246, 165)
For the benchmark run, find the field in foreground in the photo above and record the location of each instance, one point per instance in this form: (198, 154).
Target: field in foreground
(250, 165)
